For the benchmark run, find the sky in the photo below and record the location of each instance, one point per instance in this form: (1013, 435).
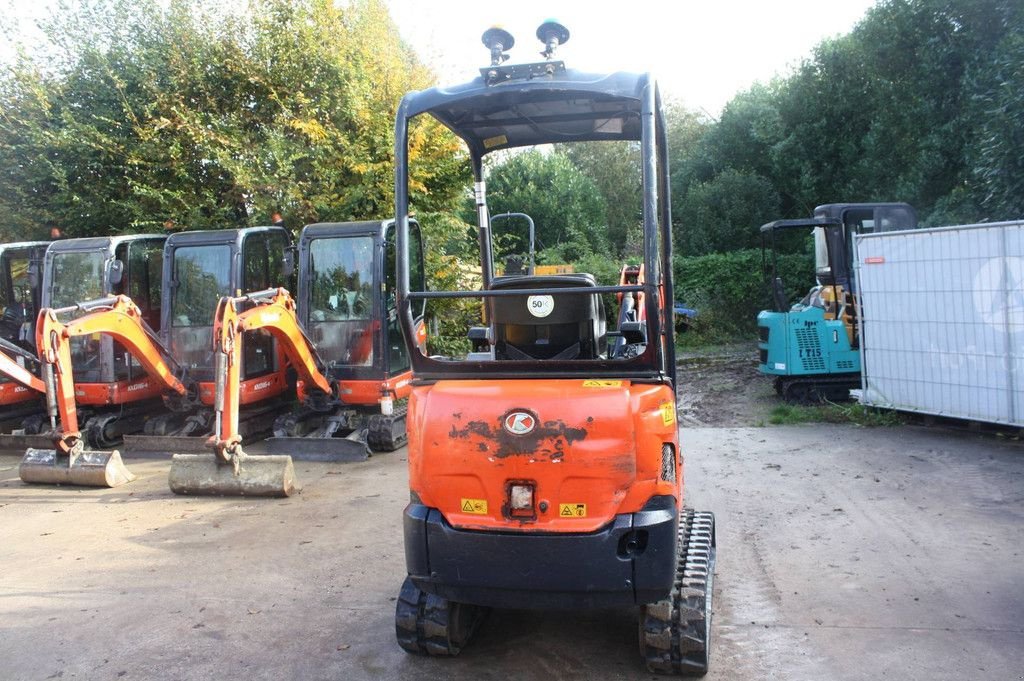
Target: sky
(702, 52)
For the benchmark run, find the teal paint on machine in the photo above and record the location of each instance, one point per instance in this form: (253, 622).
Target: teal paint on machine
(801, 342)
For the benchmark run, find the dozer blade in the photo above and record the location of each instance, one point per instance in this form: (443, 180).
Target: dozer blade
(165, 445)
(258, 476)
(19, 443)
(90, 468)
(329, 449)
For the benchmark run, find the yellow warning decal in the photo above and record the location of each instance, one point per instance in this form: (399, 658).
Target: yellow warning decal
(572, 510)
(668, 413)
(477, 506)
(497, 141)
(602, 384)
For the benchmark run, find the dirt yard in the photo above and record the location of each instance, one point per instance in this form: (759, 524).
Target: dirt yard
(721, 387)
(845, 554)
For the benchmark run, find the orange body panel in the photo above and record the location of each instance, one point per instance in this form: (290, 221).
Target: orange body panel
(597, 443)
(251, 391)
(15, 393)
(368, 392)
(122, 392)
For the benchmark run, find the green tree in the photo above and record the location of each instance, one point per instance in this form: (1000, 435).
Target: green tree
(724, 213)
(615, 169)
(146, 112)
(566, 205)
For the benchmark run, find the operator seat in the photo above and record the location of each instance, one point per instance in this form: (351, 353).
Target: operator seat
(560, 327)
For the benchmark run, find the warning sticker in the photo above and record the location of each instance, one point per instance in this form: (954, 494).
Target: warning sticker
(477, 506)
(572, 510)
(496, 141)
(668, 413)
(602, 384)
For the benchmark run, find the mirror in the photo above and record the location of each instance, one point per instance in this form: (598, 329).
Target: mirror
(289, 262)
(115, 272)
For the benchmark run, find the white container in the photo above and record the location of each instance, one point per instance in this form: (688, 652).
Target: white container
(942, 321)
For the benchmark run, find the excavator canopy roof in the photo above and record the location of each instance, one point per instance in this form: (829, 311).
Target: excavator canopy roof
(567, 106)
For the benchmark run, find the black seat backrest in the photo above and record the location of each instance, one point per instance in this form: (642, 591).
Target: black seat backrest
(562, 326)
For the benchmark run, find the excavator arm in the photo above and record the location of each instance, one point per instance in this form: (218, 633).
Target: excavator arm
(11, 368)
(117, 317)
(274, 311)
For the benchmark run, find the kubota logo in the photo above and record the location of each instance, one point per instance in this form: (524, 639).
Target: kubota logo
(520, 423)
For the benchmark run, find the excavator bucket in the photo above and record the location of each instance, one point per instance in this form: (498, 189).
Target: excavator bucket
(255, 476)
(90, 468)
(329, 449)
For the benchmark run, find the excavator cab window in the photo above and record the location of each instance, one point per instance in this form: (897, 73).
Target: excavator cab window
(19, 305)
(341, 299)
(202, 275)
(142, 285)
(144, 271)
(77, 277)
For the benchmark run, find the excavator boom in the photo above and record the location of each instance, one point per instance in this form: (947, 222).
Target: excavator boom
(18, 373)
(69, 462)
(223, 474)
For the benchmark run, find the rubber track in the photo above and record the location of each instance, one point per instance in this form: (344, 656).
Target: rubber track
(380, 431)
(814, 389)
(94, 431)
(675, 633)
(423, 623)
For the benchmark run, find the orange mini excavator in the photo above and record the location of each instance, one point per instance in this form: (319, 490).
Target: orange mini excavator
(544, 467)
(355, 366)
(199, 268)
(349, 372)
(113, 392)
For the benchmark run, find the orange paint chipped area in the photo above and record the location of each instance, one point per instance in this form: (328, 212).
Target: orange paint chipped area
(599, 449)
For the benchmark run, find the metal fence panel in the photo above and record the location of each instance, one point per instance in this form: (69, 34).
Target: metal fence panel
(942, 321)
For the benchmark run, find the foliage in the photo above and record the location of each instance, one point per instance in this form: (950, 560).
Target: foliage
(728, 289)
(615, 169)
(565, 204)
(923, 102)
(723, 213)
(144, 112)
(450, 250)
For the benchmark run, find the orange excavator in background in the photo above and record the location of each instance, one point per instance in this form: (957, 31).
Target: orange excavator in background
(121, 320)
(350, 373)
(113, 391)
(198, 269)
(358, 367)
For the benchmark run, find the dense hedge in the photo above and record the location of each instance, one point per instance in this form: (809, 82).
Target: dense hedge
(728, 289)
